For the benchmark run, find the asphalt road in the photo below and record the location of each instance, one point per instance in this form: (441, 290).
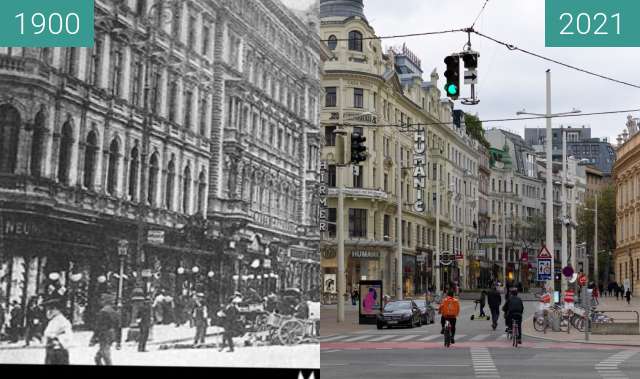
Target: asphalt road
(479, 352)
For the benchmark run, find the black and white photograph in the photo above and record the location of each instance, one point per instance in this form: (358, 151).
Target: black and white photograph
(159, 190)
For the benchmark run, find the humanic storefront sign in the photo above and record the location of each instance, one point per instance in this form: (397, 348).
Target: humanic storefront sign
(365, 254)
(419, 174)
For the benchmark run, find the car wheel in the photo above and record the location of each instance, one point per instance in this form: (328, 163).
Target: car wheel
(379, 325)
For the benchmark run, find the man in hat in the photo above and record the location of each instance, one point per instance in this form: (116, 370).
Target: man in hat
(200, 316)
(144, 323)
(58, 333)
(230, 323)
(106, 330)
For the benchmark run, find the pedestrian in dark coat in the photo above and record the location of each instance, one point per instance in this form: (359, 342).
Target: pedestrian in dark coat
(15, 322)
(106, 331)
(35, 319)
(483, 302)
(144, 323)
(628, 295)
(231, 324)
(200, 316)
(2, 318)
(494, 300)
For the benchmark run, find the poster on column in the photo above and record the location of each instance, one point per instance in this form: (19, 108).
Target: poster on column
(370, 301)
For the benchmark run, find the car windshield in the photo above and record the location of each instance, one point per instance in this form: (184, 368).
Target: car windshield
(397, 305)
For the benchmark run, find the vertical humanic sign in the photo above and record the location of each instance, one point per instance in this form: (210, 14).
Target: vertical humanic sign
(322, 193)
(419, 162)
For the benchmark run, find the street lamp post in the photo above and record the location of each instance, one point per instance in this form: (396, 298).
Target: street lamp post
(595, 240)
(123, 246)
(549, 188)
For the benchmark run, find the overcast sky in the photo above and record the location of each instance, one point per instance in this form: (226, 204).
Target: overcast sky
(299, 4)
(509, 80)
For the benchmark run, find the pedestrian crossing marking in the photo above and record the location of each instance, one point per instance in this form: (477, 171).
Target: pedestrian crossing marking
(429, 338)
(382, 338)
(479, 337)
(333, 338)
(358, 338)
(405, 338)
(609, 367)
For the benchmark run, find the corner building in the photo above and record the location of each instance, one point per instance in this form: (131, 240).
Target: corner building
(366, 90)
(167, 134)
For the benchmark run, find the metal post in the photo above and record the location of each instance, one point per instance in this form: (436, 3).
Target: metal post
(463, 277)
(549, 196)
(572, 202)
(399, 224)
(595, 243)
(438, 247)
(586, 303)
(504, 240)
(563, 200)
(340, 279)
(120, 284)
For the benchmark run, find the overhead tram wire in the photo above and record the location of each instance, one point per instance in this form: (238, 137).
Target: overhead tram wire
(479, 14)
(405, 127)
(513, 47)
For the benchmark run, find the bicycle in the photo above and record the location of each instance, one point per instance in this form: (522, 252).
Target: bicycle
(515, 332)
(447, 333)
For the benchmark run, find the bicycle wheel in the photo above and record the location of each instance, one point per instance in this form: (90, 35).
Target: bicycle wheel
(447, 337)
(538, 324)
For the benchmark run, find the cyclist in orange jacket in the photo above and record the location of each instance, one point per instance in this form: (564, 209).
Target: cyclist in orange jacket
(449, 309)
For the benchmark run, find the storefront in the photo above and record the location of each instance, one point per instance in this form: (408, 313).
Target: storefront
(408, 275)
(37, 250)
(363, 264)
(424, 271)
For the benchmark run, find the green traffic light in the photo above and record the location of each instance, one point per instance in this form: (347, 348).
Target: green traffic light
(452, 89)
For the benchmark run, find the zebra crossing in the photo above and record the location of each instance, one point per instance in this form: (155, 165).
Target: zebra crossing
(415, 337)
(609, 368)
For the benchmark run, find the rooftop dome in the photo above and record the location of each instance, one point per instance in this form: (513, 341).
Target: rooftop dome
(342, 8)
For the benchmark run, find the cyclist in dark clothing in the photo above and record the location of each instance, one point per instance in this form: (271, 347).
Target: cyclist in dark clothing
(515, 309)
(494, 300)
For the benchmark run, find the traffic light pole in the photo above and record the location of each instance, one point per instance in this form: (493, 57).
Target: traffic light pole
(341, 278)
(399, 223)
(549, 188)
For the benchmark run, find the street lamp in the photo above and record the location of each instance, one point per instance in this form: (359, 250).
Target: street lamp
(549, 187)
(595, 239)
(123, 250)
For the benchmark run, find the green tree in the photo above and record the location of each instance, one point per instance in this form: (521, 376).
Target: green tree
(606, 227)
(475, 130)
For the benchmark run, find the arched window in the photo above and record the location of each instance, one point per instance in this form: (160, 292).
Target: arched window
(134, 167)
(112, 170)
(37, 144)
(9, 132)
(171, 173)
(64, 156)
(186, 191)
(202, 191)
(355, 40)
(154, 169)
(90, 159)
(333, 42)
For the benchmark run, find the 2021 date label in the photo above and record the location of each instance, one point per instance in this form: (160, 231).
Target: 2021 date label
(591, 23)
(47, 23)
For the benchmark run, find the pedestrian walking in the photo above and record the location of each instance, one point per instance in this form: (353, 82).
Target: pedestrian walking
(627, 295)
(2, 318)
(144, 324)
(494, 300)
(179, 309)
(34, 321)
(483, 301)
(200, 317)
(58, 333)
(106, 330)
(621, 291)
(16, 321)
(232, 326)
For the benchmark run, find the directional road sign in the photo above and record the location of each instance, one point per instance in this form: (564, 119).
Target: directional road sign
(471, 77)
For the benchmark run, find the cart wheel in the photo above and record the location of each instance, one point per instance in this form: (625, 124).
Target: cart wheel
(291, 332)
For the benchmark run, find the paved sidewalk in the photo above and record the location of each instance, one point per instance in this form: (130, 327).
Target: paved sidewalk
(329, 325)
(160, 334)
(606, 303)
